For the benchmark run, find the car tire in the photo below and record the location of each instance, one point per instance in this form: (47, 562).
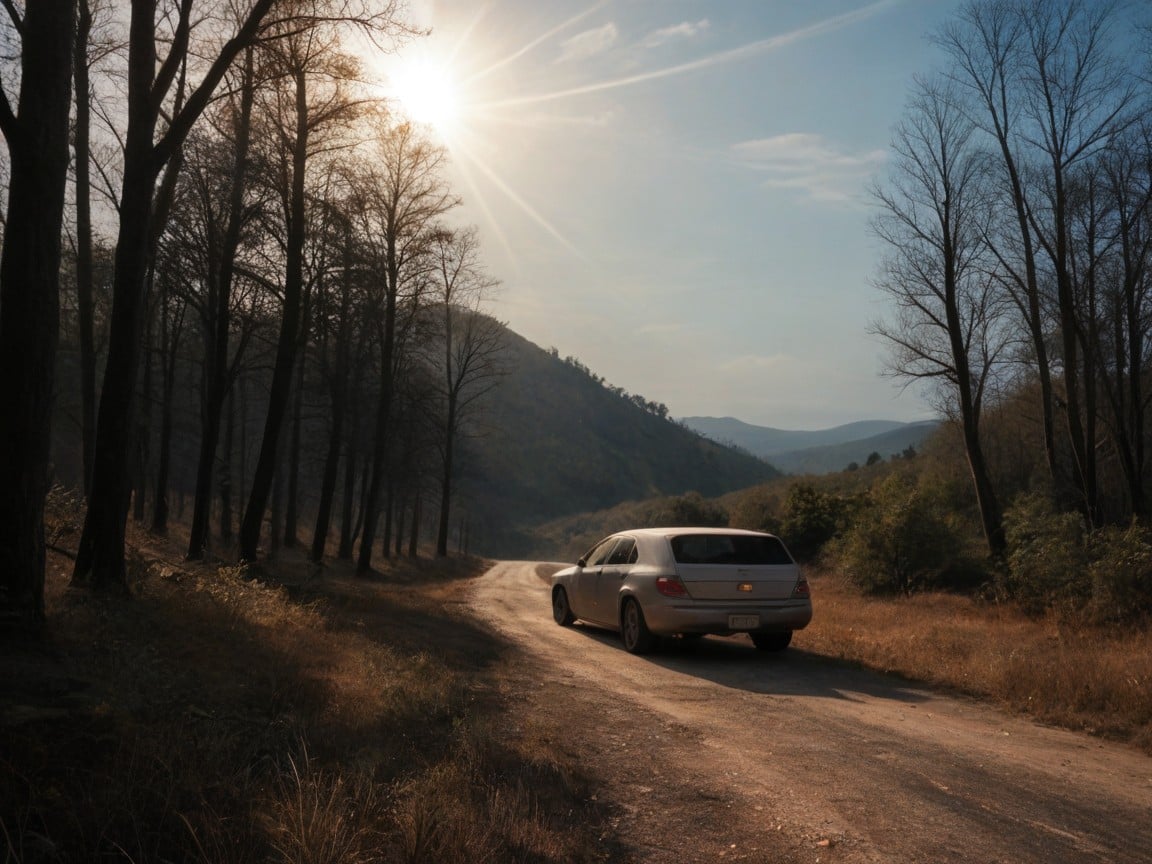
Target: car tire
(638, 639)
(561, 611)
(772, 641)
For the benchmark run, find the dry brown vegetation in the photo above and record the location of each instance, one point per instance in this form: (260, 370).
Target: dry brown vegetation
(1053, 668)
(226, 716)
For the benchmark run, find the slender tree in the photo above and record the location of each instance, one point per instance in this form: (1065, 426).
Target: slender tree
(406, 194)
(310, 108)
(219, 371)
(471, 347)
(948, 328)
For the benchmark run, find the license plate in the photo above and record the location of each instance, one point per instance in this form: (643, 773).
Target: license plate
(743, 622)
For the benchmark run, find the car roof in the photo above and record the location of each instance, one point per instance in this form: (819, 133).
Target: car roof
(687, 529)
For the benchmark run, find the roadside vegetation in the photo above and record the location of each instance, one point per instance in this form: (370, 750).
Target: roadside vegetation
(1056, 628)
(284, 714)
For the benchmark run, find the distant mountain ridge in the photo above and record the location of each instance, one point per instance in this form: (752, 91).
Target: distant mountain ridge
(820, 451)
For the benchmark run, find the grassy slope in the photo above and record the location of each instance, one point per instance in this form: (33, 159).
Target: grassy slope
(214, 717)
(1085, 678)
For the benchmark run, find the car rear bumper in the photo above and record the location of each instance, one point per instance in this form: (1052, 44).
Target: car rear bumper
(667, 619)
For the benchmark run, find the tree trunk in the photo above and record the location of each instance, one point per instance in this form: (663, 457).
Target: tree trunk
(383, 414)
(29, 297)
(293, 493)
(328, 483)
(289, 336)
(401, 512)
(84, 302)
(217, 379)
(414, 534)
(170, 344)
(225, 468)
(446, 479)
(347, 517)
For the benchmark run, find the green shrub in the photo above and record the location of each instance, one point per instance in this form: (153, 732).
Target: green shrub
(1121, 574)
(1047, 555)
(757, 509)
(900, 540)
(689, 509)
(811, 519)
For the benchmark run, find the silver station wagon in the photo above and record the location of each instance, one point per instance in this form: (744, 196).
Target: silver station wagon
(687, 582)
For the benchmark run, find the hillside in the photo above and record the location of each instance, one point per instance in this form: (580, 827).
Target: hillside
(555, 440)
(819, 451)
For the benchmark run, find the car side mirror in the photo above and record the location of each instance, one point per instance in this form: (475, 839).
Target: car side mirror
(582, 563)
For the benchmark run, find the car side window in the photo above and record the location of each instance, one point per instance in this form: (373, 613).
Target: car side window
(624, 552)
(599, 552)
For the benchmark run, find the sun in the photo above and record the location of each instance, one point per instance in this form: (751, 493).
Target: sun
(428, 93)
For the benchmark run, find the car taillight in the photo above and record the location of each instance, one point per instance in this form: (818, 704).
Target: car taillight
(670, 586)
(801, 589)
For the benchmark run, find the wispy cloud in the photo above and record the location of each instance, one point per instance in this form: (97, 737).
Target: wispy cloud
(683, 30)
(732, 55)
(589, 43)
(810, 164)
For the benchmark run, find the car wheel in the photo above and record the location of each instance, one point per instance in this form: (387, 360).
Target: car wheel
(561, 611)
(638, 639)
(772, 641)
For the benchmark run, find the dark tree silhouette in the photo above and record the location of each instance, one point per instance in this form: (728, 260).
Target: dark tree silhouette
(37, 137)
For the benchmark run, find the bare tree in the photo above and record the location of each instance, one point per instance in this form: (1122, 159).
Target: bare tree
(985, 44)
(1125, 351)
(469, 365)
(1077, 99)
(948, 329)
(342, 335)
(100, 559)
(218, 212)
(1050, 88)
(36, 133)
(309, 108)
(404, 197)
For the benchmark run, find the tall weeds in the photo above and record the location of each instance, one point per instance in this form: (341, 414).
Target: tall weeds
(1057, 668)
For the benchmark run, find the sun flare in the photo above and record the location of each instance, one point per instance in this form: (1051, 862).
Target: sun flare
(428, 93)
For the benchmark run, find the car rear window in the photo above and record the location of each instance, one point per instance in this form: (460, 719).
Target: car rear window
(736, 549)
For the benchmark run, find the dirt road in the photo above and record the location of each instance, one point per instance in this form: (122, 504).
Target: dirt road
(721, 753)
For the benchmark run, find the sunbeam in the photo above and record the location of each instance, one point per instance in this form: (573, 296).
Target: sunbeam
(543, 37)
(527, 208)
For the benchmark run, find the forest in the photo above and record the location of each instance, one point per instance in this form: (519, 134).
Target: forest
(222, 248)
(222, 251)
(1015, 218)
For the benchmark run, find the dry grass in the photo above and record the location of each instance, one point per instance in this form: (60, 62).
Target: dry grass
(1058, 671)
(296, 717)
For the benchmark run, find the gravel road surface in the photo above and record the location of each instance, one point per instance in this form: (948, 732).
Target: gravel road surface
(718, 752)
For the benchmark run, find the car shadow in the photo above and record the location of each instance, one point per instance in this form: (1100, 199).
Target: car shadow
(734, 662)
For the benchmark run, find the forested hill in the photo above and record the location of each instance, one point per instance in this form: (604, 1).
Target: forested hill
(556, 440)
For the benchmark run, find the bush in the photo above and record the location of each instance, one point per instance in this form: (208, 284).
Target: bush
(757, 509)
(899, 542)
(1047, 555)
(690, 509)
(811, 519)
(1121, 574)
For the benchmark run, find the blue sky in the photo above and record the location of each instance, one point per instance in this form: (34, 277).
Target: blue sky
(674, 191)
